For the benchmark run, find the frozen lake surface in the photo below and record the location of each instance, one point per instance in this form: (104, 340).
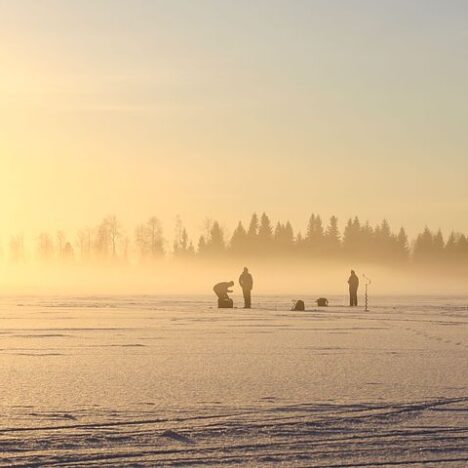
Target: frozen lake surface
(151, 381)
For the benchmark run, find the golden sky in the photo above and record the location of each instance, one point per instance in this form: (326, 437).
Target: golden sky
(218, 109)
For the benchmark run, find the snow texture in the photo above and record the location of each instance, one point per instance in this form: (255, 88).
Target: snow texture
(151, 381)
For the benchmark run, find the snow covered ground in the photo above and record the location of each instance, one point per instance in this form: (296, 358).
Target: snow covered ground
(146, 381)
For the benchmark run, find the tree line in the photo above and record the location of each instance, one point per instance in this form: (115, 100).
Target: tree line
(108, 241)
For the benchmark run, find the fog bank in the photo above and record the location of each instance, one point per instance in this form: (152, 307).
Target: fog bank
(194, 277)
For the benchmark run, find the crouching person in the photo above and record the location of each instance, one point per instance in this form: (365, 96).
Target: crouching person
(222, 290)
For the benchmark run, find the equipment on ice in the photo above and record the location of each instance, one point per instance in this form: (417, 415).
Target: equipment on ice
(366, 295)
(299, 305)
(225, 303)
(322, 302)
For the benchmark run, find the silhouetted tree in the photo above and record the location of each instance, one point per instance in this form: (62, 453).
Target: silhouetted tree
(438, 246)
(352, 237)
(114, 229)
(265, 235)
(238, 244)
(215, 245)
(61, 241)
(360, 241)
(84, 244)
(366, 242)
(149, 238)
(64, 249)
(299, 245)
(253, 226)
(252, 235)
(265, 231)
(384, 241)
(201, 249)
(451, 246)
(68, 253)
(456, 248)
(288, 235)
(45, 247)
(108, 233)
(314, 239)
(278, 233)
(332, 239)
(102, 242)
(183, 248)
(403, 246)
(284, 239)
(423, 246)
(17, 248)
(182, 244)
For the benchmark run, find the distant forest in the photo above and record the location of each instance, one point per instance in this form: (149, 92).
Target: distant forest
(109, 242)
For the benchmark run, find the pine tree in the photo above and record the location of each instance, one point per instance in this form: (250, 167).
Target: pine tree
(348, 237)
(252, 236)
(332, 236)
(438, 246)
(403, 247)
(314, 235)
(253, 227)
(366, 242)
(384, 241)
(265, 235)
(201, 249)
(310, 229)
(288, 235)
(423, 246)
(462, 248)
(238, 243)
(215, 245)
(352, 243)
(265, 231)
(299, 244)
(182, 244)
(452, 251)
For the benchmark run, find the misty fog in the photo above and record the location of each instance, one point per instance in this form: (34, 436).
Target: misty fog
(282, 277)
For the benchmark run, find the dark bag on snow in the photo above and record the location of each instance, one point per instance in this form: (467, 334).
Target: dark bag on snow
(299, 305)
(322, 302)
(225, 303)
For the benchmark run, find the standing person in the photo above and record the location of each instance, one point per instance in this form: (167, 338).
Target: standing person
(246, 282)
(353, 282)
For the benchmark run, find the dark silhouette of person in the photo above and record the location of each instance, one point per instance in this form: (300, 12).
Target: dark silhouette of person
(353, 282)
(222, 290)
(246, 282)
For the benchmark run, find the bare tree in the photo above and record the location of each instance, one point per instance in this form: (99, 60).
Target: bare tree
(149, 238)
(114, 230)
(45, 247)
(17, 248)
(84, 243)
(61, 241)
